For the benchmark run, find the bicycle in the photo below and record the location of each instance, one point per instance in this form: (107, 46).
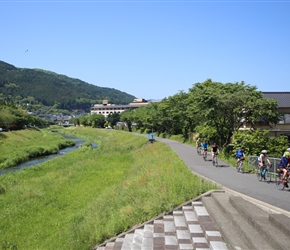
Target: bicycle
(215, 160)
(280, 183)
(198, 150)
(205, 154)
(240, 166)
(263, 173)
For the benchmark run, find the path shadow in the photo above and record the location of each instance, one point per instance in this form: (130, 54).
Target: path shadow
(222, 166)
(247, 172)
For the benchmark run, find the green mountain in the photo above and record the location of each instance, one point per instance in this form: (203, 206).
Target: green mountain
(41, 87)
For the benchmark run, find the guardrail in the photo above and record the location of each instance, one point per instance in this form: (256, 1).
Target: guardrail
(253, 164)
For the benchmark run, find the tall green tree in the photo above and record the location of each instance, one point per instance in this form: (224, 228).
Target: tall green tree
(228, 107)
(174, 115)
(128, 117)
(96, 120)
(113, 118)
(150, 117)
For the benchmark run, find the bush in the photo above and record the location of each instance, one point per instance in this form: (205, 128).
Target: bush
(163, 135)
(2, 190)
(228, 150)
(178, 138)
(254, 141)
(86, 144)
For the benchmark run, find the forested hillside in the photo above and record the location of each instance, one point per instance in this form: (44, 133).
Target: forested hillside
(39, 87)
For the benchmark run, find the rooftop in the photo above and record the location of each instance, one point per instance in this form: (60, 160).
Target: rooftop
(283, 98)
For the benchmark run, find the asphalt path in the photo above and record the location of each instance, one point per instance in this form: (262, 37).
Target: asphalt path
(227, 176)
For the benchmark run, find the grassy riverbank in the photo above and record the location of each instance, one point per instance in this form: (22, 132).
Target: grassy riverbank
(89, 195)
(21, 145)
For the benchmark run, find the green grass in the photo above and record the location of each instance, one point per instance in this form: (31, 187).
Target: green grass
(21, 145)
(89, 195)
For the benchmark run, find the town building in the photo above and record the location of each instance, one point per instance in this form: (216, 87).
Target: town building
(107, 108)
(283, 126)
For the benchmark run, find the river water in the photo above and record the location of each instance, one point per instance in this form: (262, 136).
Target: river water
(38, 160)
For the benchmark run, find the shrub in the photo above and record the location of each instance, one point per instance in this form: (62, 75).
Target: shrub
(254, 141)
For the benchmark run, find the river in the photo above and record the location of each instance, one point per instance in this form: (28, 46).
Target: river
(38, 160)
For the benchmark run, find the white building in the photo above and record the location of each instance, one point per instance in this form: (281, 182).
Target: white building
(109, 108)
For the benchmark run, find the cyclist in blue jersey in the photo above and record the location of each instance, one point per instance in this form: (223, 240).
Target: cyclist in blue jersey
(287, 150)
(284, 164)
(204, 147)
(240, 155)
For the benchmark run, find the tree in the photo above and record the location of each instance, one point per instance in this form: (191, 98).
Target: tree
(97, 120)
(227, 107)
(127, 116)
(85, 121)
(12, 117)
(174, 116)
(150, 117)
(113, 118)
(75, 121)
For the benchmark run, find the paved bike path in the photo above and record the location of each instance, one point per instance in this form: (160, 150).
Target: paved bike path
(191, 226)
(227, 176)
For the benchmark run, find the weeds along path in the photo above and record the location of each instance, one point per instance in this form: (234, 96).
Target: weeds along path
(91, 194)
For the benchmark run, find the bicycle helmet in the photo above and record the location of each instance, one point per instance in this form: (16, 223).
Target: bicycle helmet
(288, 149)
(264, 151)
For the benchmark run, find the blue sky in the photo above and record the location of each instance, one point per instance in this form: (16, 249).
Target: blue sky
(151, 49)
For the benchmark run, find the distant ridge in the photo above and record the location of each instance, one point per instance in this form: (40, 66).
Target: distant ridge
(47, 88)
(154, 100)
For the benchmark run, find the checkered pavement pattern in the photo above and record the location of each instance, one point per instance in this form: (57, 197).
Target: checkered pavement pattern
(189, 227)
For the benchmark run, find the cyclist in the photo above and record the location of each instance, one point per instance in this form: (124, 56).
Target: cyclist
(214, 150)
(240, 155)
(198, 143)
(283, 165)
(262, 159)
(204, 147)
(151, 137)
(287, 150)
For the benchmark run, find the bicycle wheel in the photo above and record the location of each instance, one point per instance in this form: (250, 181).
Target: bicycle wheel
(279, 182)
(216, 161)
(258, 173)
(266, 175)
(241, 167)
(270, 175)
(238, 167)
(205, 155)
